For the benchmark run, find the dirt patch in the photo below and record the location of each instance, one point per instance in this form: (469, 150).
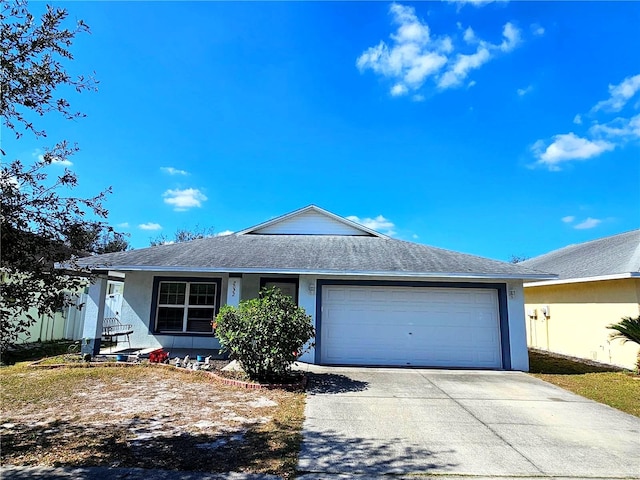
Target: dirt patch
(146, 417)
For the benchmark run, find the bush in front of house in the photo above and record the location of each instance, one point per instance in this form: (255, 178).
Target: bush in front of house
(266, 334)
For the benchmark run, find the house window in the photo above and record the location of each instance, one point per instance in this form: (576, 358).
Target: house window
(186, 307)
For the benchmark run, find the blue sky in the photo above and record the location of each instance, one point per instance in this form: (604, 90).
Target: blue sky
(495, 129)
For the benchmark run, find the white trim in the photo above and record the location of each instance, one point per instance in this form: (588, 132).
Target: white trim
(282, 271)
(615, 276)
(309, 208)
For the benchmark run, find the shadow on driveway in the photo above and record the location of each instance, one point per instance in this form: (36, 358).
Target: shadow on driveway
(334, 383)
(333, 452)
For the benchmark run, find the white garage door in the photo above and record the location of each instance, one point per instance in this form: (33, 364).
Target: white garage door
(440, 327)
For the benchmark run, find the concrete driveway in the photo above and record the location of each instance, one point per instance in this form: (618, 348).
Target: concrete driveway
(375, 421)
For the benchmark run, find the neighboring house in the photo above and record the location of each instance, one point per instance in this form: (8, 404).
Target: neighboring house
(68, 323)
(374, 300)
(598, 284)
(44, 329)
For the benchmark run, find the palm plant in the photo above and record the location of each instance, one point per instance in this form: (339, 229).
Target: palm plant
(627, 330)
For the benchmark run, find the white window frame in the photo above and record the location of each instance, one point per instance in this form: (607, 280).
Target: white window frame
(185, 306)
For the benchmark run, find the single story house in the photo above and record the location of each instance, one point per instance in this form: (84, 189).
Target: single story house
(598, 283)
(374, 300)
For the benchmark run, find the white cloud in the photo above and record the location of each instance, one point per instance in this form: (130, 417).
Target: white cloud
(184, 199)
(618, 129)
(619, 95)
(410, 28)
(462, 66)
(224, 233)
(588, 223)
(523, 91)
(10, 182)
(471, 83)
(173, 171)
(413, 55)
(123, 225)
(418, 98)
(150, 226)
(511, 36)
(583, 225)
(379, 224)
(469, 35)
(537, 29)
(64, 163)
(602, 136)
(475, 3)
(459, 69)
(568, 147)
(399, 89)
(57, 161)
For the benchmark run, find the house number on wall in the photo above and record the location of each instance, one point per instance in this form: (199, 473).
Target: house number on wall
(233, 289)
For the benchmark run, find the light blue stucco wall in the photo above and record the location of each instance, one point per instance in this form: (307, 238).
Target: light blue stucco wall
(137, 303)
(136, 310)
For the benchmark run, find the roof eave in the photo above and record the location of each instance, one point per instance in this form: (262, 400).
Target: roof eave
(321, 272)
(599, 278)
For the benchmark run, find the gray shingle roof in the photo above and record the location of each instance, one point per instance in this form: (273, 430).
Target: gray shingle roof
(618, 254)
(309, 254)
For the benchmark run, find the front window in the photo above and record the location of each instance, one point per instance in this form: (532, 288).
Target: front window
(186, 306)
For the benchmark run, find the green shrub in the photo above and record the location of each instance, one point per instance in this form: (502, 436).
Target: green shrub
(266, 334)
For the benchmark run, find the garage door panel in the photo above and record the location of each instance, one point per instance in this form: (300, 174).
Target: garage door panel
(410, 326)
(353, 321)
(487, 298)
(339, 336)
(365, 357)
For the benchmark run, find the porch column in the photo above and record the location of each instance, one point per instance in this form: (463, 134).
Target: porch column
(93, 315)
(233, 291)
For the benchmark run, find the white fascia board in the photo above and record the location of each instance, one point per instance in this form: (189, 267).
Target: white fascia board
(328, 273)
(616, 276)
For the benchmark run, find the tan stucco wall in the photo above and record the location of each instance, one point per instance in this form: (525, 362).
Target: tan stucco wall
(578, 316)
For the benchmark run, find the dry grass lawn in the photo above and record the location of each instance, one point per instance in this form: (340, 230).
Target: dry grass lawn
(606, 385)
(146, 417)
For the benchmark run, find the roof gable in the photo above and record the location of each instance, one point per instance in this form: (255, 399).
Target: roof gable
(311, 220)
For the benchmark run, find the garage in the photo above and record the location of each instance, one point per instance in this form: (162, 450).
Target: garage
(410, 326)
